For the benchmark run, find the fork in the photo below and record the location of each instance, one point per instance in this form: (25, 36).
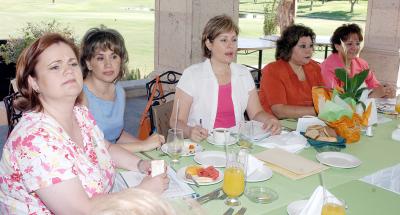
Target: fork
(241, 211)
(190, 177)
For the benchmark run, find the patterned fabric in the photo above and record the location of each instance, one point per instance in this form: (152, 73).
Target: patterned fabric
(357, 65)
(109, 115)
(39, 153)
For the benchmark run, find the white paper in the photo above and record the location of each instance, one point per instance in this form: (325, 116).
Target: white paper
(253, 164)
(316, 201)
(176, 187)
(304, 122)
(157, 167)
(292, 142)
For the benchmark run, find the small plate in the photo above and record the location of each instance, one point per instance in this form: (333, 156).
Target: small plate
(186, 144)
(261, 174)
(232, 140)
(181, 175)
(295, 207)
(211, 158)
(338, 159)
(261, 195)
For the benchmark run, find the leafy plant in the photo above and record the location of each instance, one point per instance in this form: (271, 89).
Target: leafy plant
(32, 31)
(270, 22)
(351, 88)
(134, 74)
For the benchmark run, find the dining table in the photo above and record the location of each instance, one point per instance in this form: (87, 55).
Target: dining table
(376, 152)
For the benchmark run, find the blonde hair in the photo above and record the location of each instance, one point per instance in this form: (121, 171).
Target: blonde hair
(133, 201)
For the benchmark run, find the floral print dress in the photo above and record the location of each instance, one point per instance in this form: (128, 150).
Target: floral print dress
(39, 153)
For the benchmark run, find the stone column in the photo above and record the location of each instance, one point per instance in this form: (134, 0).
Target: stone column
(382, 40)
(178, 28)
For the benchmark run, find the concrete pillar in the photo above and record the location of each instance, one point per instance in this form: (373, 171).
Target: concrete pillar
(178, 28)
(382, 40)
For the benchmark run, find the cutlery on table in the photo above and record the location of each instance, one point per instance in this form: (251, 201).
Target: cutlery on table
(241, 211)
(209, 196)
(229, 211)
(190, 177)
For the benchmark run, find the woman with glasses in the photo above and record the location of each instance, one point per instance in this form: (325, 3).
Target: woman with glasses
(345, 43)
(286, 84)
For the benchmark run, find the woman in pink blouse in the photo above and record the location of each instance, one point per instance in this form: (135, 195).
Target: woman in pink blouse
(347, 57)
(56, 160)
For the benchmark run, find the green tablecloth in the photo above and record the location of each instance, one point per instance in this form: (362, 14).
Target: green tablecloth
(375, 153)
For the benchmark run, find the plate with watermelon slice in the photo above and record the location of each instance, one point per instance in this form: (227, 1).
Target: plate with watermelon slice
(204, 175)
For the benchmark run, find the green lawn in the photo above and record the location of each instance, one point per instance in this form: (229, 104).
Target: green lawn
(135, 20)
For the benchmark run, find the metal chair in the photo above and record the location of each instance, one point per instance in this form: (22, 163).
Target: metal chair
(13, 114)
(161, 107)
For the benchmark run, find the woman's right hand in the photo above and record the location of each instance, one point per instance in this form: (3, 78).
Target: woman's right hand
(156, 185)
(198, 133)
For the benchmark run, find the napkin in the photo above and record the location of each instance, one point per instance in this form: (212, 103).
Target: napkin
(316, 201)
(304, 122)
(292, 142)
(253, 164)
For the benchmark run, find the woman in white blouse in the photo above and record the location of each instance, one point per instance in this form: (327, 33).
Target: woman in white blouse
(217, 92)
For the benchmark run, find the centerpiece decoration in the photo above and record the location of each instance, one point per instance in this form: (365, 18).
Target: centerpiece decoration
(344, 108)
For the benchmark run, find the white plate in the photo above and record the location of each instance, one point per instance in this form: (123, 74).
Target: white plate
(186, 152)
(338, 159)
(295, 207)
(232, 140)
(261, 174)
(181, 176)
(211, 158)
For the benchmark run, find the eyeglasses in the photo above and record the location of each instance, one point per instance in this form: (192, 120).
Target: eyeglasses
(304, 46)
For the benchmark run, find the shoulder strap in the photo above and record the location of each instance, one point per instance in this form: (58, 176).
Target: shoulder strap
(153, 92)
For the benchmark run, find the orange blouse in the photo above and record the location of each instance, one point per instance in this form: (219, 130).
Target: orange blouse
(280, 85)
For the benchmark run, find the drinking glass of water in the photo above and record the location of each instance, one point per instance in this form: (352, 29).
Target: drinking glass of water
(175, 144)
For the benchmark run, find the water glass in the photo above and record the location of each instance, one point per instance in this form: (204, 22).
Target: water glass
(246, 132)
(175, 144)
(234, 174)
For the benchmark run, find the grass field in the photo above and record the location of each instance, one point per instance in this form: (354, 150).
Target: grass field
(135, 20)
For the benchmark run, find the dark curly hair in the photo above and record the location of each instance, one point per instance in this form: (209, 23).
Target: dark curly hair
(103, 38)
(289, 38)
(343, 33)
(214, 27)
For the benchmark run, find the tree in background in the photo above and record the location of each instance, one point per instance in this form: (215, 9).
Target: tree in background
(286, 13)
(270, 18)
(352, 2)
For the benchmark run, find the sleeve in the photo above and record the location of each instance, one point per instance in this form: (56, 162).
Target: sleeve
(43, 160)
(274, 86)
(186, 82)
(248, 79)
(328, 74)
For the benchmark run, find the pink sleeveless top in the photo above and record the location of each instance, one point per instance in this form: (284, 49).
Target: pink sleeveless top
(225, 117)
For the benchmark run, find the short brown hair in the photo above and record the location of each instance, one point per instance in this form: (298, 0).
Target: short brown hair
(103, 38)
(26, 64)
(343, 32)
(214, 27)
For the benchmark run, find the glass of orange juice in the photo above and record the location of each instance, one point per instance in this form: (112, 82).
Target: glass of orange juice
(234, 174)
(333, 206)
(397, 106)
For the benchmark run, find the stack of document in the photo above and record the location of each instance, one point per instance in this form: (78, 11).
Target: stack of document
(290, 165)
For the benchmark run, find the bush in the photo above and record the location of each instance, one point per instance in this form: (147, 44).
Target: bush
(32, 31)
(134, 74)
(270, 22)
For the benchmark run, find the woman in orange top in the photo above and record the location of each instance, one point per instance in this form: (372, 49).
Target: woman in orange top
(286, 84)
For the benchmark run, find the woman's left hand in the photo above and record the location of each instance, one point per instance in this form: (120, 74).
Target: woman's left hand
(273, 125)
(154, 141)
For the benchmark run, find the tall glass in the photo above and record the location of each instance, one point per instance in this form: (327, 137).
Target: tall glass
(234, 174)
(246, 132)
(333, 206)
(175, 144)
(397, 106)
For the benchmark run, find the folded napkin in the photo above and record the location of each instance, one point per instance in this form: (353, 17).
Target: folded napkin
(253, 164)
(292, 142)
(316, 201)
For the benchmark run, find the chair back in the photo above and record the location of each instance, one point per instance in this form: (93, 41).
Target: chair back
(13, 114)
(161, 107)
